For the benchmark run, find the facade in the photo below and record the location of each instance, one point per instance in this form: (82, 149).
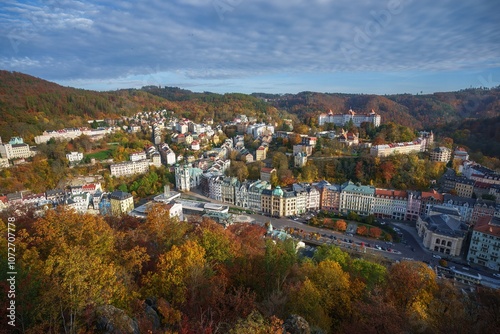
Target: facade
(228, 189)
(129, 168)
(79, 202)
(300, 159)
(330, 198)
(261, 153)
(138, 156)
(482, 208)
(428, 200)
(464, 205)
(74, 156)
(442, 234)
(121, 203)
(343, 119)
(187, 177)
(485, 243)
(390, 204)
(278, 203)
(175, 210)
(413, 205)
(356, 198)
(254, 194)
(385, 150)
(461, 154)
(441, 154)
(15, 148)
(265, 173)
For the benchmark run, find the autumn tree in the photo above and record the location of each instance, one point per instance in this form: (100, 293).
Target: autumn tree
(410, 286)
(341, 225)
(375, 232)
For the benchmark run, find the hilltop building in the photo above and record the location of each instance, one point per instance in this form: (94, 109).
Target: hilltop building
(343, 119)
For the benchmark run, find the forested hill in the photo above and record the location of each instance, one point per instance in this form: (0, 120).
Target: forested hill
(417, 111)
(29, 105)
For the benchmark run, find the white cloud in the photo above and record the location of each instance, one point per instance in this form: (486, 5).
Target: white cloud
(106, 40)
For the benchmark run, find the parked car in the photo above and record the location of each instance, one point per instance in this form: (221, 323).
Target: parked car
(496, 275)
(436, 256)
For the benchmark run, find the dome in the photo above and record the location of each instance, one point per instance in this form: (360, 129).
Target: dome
(277, 191)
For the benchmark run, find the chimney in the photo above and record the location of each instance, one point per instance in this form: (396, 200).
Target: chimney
(166, 189)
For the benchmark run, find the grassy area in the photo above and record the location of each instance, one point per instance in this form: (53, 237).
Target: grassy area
(101, 155)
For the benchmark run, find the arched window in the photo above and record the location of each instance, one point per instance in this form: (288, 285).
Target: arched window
(438, 241)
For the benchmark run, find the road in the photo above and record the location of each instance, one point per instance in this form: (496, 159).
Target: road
(410, 246)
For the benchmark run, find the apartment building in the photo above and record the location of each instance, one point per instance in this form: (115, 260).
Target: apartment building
(390, 203)
(356, 198)
(441, 154)
(484, 248)
(128, 168)
(121, 203)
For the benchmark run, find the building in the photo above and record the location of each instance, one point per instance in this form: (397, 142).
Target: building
(261, 153)
(344, 119)
(74, 156)
(464, 205)
(330, 197)
(300, 159)
(187, 177)
(484, 248)
(441, 154)
(121, 203)
(138, 156)
(461, 154)
(265, 173)
(413, 205)
(442, 234)
(482, 208)
(348, 138)
(128, 168)
(254, 194)
(356, 198)
(390, 204)
(385, 150)
(278, 203)
(15, 148)
(79, 202)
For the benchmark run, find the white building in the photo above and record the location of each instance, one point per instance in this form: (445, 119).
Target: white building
(385, 150)
(129, 168)
(79, 202)
(485, 243)
(356, 198)
(187, 177)
(74, 156)
(15, 148)
(138, 156)
(390, 203)
(441, 154)
(343, 119)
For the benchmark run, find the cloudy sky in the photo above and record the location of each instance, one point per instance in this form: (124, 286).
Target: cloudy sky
(274, 46)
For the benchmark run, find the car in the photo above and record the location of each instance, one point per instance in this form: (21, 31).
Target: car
(436, 256)
(496, 275)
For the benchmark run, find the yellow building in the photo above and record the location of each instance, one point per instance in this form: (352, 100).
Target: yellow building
(121, 203)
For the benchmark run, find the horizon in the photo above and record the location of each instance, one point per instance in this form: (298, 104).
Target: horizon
(236, 46)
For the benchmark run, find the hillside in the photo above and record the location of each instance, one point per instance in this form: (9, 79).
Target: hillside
(29, 105)
(418, 111)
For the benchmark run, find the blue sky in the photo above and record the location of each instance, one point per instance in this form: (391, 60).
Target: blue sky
(273, 46)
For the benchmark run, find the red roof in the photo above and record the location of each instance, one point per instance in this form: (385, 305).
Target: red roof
(488, 225)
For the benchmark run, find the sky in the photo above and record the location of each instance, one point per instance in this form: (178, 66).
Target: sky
(272, 46)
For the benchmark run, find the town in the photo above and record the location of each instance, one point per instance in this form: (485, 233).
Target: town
(458, 218)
